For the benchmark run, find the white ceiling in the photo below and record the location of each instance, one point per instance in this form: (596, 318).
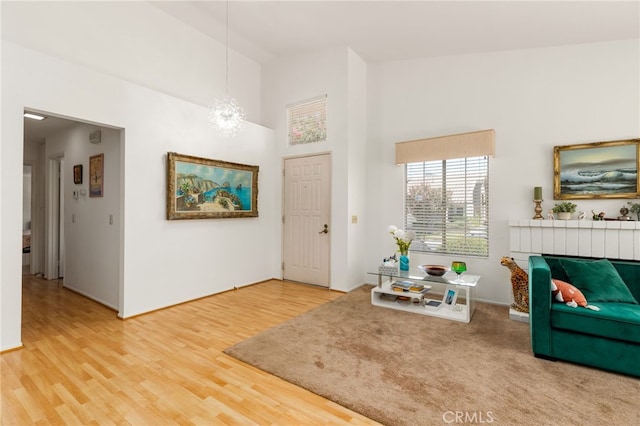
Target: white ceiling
(394, 30)
(400, 30)
(36, 131)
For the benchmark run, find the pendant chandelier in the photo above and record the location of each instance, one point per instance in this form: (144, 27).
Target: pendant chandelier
(225, 115)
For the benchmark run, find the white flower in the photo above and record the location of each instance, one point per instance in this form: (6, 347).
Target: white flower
(403, 238)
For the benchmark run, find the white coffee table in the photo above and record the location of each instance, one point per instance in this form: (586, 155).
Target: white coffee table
(419, 304)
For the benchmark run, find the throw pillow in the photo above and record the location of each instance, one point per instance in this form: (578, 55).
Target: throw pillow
(565, 292)
(598, 280)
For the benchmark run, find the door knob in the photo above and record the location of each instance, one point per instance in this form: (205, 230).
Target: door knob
(325, 230)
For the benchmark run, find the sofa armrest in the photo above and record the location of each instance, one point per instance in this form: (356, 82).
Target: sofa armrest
(540, 305)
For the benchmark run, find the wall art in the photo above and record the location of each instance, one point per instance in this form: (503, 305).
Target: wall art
(596, 170)
(201, 188)
(96, 175)
(77, 174)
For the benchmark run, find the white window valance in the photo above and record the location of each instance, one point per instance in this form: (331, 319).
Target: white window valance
(461, 145)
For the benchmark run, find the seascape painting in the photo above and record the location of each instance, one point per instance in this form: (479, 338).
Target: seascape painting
(598, 170)
(201, 188)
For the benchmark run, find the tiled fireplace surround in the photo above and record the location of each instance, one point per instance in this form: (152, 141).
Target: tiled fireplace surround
(581, 238)
(578, 238)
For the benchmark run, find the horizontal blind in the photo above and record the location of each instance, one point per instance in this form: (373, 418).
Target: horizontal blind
(447, 206)
(307, 121)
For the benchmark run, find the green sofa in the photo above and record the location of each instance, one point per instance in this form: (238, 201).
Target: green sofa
(608, 339)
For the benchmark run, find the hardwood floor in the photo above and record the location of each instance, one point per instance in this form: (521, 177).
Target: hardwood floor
(82, 365)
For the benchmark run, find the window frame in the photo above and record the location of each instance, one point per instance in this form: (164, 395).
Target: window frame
(311, 113)
(474, 240)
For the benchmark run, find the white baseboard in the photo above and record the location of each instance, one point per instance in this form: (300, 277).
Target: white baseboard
(518, 316)
(90, 296)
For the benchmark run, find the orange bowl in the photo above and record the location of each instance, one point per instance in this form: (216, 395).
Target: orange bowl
(434, 270)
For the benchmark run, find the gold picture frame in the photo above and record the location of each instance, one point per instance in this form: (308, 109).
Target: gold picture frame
(96, 175)
(598, 170)
(202, 188)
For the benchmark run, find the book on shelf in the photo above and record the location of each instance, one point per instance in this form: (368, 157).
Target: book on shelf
(389, 297)
(410, 286)
(433, 303)
(403, 284)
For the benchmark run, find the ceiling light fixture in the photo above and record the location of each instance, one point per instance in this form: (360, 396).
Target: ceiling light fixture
(34, 116)
(225, 115)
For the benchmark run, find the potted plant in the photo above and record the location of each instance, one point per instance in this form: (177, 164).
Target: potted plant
(634, 208)
(564, 209)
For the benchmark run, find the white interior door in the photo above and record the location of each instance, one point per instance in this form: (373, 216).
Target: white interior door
(55, 219)
(61, 242)
(307, 213)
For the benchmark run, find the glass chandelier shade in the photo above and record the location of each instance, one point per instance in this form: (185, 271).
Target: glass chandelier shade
(225, 115)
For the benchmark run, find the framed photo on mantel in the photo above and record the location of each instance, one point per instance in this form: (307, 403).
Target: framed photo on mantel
(596, 170)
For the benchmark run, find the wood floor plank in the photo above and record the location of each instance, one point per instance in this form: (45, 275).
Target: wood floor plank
(82, 365)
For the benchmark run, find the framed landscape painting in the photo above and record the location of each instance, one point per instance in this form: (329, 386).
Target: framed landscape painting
(200, 188)
(596, 170)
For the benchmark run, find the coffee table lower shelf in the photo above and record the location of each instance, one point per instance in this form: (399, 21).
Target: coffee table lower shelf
(458, 312)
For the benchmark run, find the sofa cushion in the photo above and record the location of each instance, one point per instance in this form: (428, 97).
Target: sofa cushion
(598, 280)
(614, 320)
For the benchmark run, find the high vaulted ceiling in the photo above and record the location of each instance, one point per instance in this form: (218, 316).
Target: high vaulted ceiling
(395, 30)
(399, 30)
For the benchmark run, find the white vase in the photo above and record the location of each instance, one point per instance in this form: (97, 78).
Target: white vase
(564, 215)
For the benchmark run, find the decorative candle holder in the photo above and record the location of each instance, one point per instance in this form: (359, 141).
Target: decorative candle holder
(538, 209)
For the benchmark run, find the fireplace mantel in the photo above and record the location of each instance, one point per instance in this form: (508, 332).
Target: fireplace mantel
(584, 238)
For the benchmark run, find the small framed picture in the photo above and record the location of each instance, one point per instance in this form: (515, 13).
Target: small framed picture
(450, 296)
(96, 179)
(77, 174)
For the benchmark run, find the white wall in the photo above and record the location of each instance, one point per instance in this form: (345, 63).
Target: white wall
(92, 243)
(341, 75)
(161, 262)
(136, 42)
(534, 99)
(356, 157)
(132, 66)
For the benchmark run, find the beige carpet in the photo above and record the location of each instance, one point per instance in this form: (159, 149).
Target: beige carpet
(407, 369)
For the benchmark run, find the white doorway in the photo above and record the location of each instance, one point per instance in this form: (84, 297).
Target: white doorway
(54, 266)
(77, 237)
(27, 209)
(307, 214)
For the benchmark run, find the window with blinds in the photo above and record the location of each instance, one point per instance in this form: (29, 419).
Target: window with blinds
(447, 206)
(307, 121)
